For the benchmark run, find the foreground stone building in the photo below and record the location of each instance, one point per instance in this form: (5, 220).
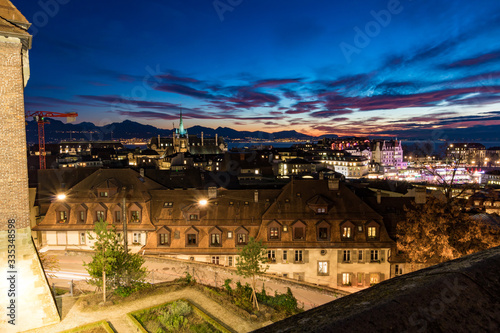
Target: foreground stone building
(26, 299)
(315, 230)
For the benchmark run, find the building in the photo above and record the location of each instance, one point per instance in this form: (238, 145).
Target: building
(104, 195)
(315, 230)
(27, 302)
(388, 154)
(352, 167)
(182, 142)
(470, 153)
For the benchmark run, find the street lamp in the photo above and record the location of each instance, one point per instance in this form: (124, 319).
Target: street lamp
(61, 196)
(203, 202)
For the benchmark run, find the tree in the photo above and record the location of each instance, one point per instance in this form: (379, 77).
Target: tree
(251, 262)
(440, 230)
(111, 266)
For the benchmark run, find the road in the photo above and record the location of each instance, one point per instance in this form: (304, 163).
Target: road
(71, 268)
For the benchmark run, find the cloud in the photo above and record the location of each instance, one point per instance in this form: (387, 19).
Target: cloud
(474, 61)
(275, 82)
(184, 90)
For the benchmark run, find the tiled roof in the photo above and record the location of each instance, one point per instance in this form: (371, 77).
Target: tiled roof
(12, 22)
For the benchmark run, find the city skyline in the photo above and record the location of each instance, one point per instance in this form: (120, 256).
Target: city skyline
(392, 66)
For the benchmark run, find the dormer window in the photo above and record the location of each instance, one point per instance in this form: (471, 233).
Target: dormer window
(168, 204)
(63, 216)
(164, 236)
(99, 215)
(321, 210)
(346, 232)
(372, 232)
(299, 230)
(135, 216)
(274, 230)
(192, 236)
(241, 236)
(215, 236)
(103, 194)
(193, 217)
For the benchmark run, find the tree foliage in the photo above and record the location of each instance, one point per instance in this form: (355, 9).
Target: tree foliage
(251, 262)
(120, 268)
(440, 230)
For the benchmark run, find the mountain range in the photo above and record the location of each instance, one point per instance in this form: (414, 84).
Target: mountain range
(57, 131)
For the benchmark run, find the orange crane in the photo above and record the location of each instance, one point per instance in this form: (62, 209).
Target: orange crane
(39, 117)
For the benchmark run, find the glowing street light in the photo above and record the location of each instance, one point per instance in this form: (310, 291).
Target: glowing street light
(203, 202)
(61, 196)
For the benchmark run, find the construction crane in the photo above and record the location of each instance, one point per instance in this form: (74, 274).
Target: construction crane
(39, 117)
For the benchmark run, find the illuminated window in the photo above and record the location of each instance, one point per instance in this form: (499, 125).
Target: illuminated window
(135, 216)
(215, 240)
(372, 232)
(163, 239)
(99, 215)
(273, 233)
(322, 267)
(346, 232)
(346, 279)
(241, 238)
(193, 217)
(103, 194)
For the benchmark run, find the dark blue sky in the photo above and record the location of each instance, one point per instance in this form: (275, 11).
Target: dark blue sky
(345, 67)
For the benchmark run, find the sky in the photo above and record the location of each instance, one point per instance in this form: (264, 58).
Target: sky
(353, 67)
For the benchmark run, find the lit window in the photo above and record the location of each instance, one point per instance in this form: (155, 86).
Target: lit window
(81, 216)
(321, 210)
(63, 215)
(346, 279)
(322, 267)
(193, 217)
(346, 232)
(372, 232)
(103, 194)
(273, 233)
(230, 235)
(168, 204)
(215, 239)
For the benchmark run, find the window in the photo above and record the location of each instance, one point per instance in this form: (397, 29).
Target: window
(346, 279)
(360, 255)
(168, 204)
(285, 255)
(242, 238)
(230, 235)
(374, 255)
(99, 215)
(118, 216)
(346, 232)
(372, 232)
(273, 233)
(374, 278)
(398, 270)
(137, 237)
(298, 256)
(193, 217)
(298, 233)
(271, 255)
(215, 240)
(323, 233)
(346, 256)
(135, 216)
(191, 239)
(230, 261)
(163, 239)
(215, 260)
(63, 216)
(81, 216)
(322, 267)
(360, 228)
(82, 238)
(321, 210)
(103, 194)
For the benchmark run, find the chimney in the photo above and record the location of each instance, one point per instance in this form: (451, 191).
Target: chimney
(379, 197)
(212, 192)
(202, 139)
(256, 196)
(420, 196)
(141, 171)
(333, 183)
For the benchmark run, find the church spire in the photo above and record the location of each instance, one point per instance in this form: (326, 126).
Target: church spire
(182, 131)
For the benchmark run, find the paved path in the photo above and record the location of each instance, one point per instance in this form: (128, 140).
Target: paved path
(116, 314)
